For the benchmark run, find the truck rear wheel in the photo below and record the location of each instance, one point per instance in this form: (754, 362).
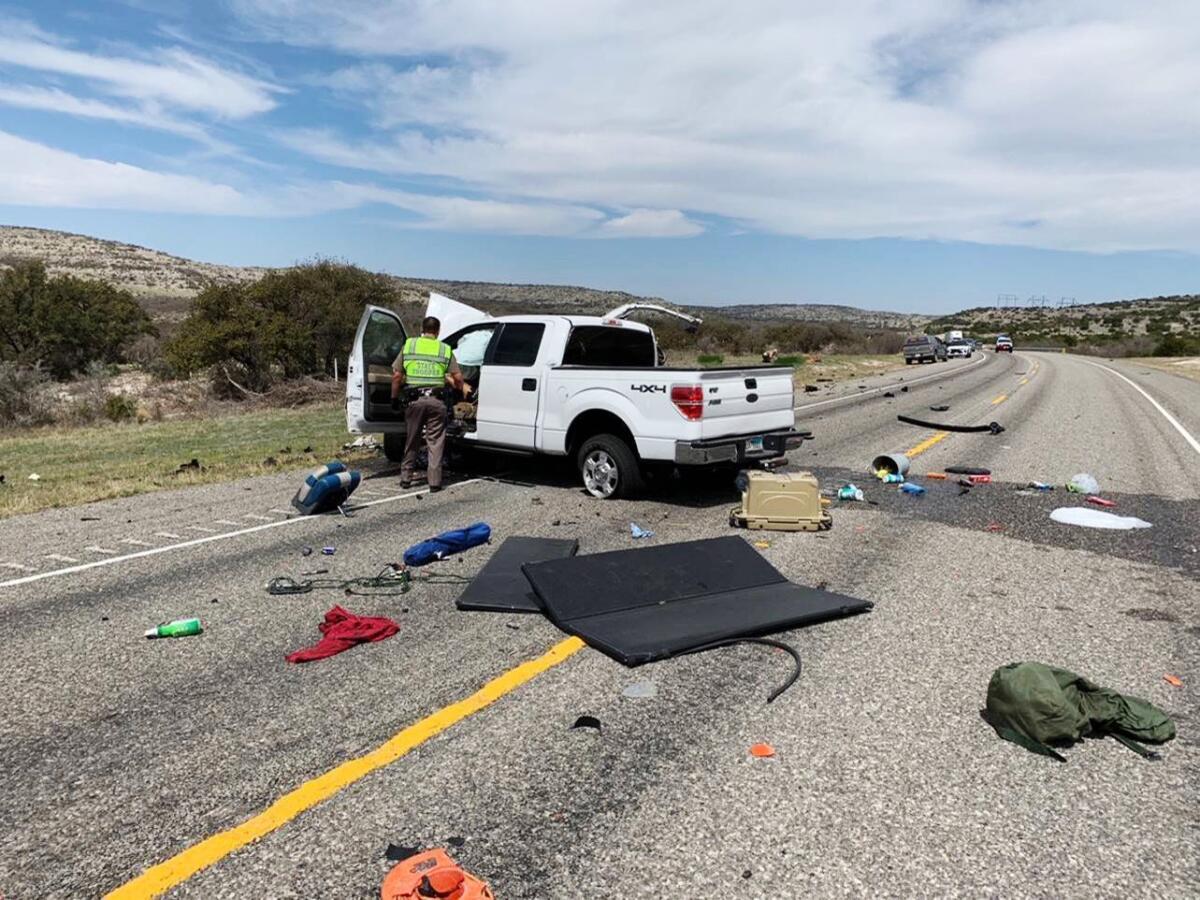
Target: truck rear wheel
(609, 467)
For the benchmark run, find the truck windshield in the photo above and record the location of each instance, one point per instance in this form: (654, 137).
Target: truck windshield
(609, 346)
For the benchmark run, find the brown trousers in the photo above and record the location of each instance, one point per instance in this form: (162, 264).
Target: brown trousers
(430, 413)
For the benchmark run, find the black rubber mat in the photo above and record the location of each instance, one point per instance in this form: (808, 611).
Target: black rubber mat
(500, 586)
(641, 605)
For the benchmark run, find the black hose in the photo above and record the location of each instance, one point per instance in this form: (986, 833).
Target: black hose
(768, 642)
(991, 427)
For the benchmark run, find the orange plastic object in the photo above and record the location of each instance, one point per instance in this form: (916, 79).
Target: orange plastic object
(1173, 680)
(937, 476)
(433, 875)
(762, 751)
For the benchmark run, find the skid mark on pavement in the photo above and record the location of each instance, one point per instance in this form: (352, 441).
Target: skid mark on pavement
(179, 868)
(196, 542)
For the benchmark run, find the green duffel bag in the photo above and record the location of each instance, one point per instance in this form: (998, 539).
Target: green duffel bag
(1036, 705)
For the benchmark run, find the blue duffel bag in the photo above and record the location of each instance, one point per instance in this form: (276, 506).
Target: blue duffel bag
(325, 489)
(447, 543)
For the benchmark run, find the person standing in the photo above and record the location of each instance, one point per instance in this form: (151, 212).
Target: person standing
(422, 371)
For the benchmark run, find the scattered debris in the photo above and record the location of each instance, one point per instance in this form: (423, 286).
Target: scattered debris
(825, 380)
(936, 476)
(940, 408)
(536, 501)
(909, 488)
(364, 442)
(850, 492)
(889, 395)
(979, 479)
(89, 518)
(447, 544)
(1035, 705)
(811, 389)
(306, 551)
(968, 470)
(1094, 518)
(641, 690)
(35, 477)
(1173, 680)
(1083, 483)
(391, 581)
(342, 630)
(307, 450)
(513, 625)
(328, 551)
(1100, 501)
(177, 628)
(637, 531)
(762, 751)
(1150, 614)
(994, 526)
(192, 465)
(587, 722)
(433, 874)
(762, 545)
(270, 461)
(1041, 486)
(990, 428)
(904, 390)
(397, 853)
(890, 464)
(501, 586)
(326, 488)
(315, 572)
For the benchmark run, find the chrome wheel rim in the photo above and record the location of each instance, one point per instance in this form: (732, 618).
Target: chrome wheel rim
(600, 475)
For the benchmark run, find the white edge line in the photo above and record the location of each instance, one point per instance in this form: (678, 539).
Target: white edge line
(195, 542)
(1166, 415)
(886, 387)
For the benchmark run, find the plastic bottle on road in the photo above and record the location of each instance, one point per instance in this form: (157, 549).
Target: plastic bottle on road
(850, 492)
(178, 628)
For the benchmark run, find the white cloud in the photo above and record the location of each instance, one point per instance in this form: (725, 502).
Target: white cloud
(651, 223)
(1068, 125)
(171, 76)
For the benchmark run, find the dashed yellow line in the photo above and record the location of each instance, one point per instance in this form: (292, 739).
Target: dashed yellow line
(166, 875)
(1000, 399)
(937, 438)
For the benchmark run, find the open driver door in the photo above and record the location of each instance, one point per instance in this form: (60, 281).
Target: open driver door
(377, 343)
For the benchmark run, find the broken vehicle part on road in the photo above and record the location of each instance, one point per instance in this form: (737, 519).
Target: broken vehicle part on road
(990, 428)
(501, 586)
(638, 606)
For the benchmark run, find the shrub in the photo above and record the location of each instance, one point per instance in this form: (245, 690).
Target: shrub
(1177, 345)
(120, 408)
(285, 325)
(25, 395)
(64, 323)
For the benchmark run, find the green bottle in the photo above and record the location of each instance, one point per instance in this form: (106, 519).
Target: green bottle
(178, 628)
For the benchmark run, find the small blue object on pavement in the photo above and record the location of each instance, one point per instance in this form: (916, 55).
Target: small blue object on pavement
(638, 532)
(909, 488)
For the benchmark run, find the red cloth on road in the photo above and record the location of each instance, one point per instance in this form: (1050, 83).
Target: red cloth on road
(342, 629)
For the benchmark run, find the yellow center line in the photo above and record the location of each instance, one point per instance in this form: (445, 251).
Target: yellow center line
(937, 437)
(166, 875)
(1000, 399)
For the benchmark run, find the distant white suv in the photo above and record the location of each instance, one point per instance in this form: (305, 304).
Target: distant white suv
(959, 347)
(1004, 344)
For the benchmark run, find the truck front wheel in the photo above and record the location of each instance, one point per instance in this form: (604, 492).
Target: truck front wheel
(609, 467)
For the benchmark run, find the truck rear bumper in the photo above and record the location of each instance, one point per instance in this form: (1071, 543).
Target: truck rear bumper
(738, 448)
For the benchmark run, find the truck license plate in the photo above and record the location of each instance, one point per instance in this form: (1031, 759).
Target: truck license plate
(754, 445)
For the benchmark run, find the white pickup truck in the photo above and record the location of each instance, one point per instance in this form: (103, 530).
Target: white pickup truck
(586, 387)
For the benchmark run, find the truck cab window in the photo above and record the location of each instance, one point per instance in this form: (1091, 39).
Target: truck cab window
(608, 346)
(518, 344)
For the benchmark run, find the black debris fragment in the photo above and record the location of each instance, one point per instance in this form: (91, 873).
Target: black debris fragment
(966, 470)
(889, 394)
(940, 408)
(398, 854)
(587, 722)
(991, 427)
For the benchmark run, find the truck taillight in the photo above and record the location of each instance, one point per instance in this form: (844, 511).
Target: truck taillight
(689, 400)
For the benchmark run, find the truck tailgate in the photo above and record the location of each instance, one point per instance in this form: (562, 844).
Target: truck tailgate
(746, 400)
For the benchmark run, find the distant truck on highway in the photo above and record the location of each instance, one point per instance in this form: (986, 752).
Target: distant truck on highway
(924, 347)
(590, 388)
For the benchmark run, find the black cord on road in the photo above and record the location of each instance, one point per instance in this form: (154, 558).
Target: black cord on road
(392, 580)
(991, 427)
(768, 642)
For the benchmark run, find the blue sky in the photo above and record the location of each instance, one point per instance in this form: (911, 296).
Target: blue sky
(925, 158)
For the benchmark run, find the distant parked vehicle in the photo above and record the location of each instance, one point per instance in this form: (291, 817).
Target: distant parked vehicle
(1004, 344)
(924, 347)
(960, 348)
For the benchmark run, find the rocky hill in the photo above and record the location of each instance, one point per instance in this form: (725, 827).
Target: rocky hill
(165, 284)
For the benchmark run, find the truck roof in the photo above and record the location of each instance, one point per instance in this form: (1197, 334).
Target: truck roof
(575, 320)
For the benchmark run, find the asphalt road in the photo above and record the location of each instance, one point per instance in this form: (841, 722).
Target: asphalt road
(121, 753)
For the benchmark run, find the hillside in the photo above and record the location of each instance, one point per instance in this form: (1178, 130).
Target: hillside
(165, 284)
(1146, 319)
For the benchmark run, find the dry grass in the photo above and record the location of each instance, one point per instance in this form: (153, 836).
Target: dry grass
(80, 465)
(1187, 366)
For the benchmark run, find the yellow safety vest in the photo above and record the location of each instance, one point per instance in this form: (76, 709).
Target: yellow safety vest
(426, 361)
